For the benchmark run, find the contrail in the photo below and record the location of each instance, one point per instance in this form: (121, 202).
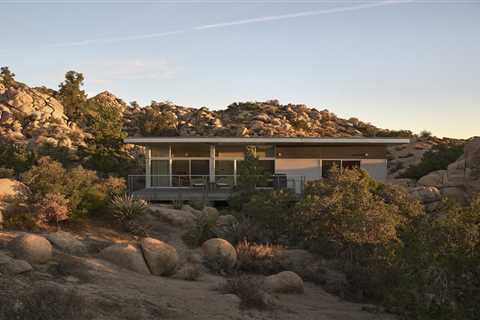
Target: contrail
(232, 23)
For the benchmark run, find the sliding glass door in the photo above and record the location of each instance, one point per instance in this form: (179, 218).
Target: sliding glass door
(160, 173)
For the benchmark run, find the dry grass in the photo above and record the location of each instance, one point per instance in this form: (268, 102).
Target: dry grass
(259, 258)
(45, 303)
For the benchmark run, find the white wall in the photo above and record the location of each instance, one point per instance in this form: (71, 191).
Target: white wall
(376, 168)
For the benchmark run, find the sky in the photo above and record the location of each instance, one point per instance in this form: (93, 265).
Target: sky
(397, 64)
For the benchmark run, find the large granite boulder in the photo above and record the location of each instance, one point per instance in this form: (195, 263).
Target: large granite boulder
(284, 282)
(219, 252)
(32, 248)
(161, 258)
(126, 256)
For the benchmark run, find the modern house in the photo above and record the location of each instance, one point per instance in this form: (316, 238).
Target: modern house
(189, 168)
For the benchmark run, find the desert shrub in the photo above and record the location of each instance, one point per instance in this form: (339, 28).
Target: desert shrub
(53, 208)
(84, 190)
(259, 258)
(244, 229)
(198, 204)
(440, 259)
(154, 122)
(18, 157)
(271, 210)
(45, 303)
(6, 173)
(346, 211)
(200, 231)
(249, 289)
(425, 134)
(361, 223)
(438, 158)
(127, 207)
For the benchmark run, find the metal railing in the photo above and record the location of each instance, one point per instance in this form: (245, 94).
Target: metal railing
(204, 182)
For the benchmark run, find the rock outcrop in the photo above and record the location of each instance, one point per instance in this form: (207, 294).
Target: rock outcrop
(67, 243)
(35, 116)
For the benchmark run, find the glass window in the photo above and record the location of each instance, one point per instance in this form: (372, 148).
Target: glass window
(327, 166)
(200, 167)
(159, 170)
(160, 151)
(265, 151)
(224, 167)
(224, 171)
(185, 150)
(230, 151)
(350, 164)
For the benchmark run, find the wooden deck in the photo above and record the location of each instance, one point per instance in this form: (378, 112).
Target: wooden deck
(187, 194)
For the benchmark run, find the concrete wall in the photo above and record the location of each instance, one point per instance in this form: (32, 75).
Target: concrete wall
(376, 168)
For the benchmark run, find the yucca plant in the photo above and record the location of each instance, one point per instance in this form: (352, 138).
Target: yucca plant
(127, 207)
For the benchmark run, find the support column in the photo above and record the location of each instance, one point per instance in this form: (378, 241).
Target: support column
(212, 163)
(148, 182)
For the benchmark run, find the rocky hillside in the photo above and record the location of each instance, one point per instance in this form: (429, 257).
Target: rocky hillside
(251, 119)
(35, 116)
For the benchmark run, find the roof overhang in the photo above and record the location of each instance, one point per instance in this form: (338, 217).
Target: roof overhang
(265, 140)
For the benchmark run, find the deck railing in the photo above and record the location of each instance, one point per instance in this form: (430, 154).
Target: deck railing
(204, 182)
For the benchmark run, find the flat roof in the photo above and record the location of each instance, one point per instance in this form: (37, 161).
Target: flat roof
(282, 140)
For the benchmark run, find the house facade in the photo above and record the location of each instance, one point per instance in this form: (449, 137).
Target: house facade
(208, 166)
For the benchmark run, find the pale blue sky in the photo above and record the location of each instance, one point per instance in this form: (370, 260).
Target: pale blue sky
(409, 65)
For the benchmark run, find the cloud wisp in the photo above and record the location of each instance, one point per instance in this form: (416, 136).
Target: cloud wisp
(232, 23)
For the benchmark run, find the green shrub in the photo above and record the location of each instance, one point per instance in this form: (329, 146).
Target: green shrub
(15, 156)
(6, 173)
(347, 210)
(440, 259)
(438, 158)
(85, 191)
(127, 207)
(200, 231)
(272, 211)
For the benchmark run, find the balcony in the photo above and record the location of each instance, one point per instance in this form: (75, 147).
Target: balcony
(200, 187)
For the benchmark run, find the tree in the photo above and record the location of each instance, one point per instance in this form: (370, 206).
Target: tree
(7, 77)
(72, 96)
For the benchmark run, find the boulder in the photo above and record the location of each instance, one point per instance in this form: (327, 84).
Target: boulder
(126, 256)
(284, 282)
(219, 252)
(66, 242)
(32, 248)
(426, 194)
(161, 258)
(179, 218)
(433, 179)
